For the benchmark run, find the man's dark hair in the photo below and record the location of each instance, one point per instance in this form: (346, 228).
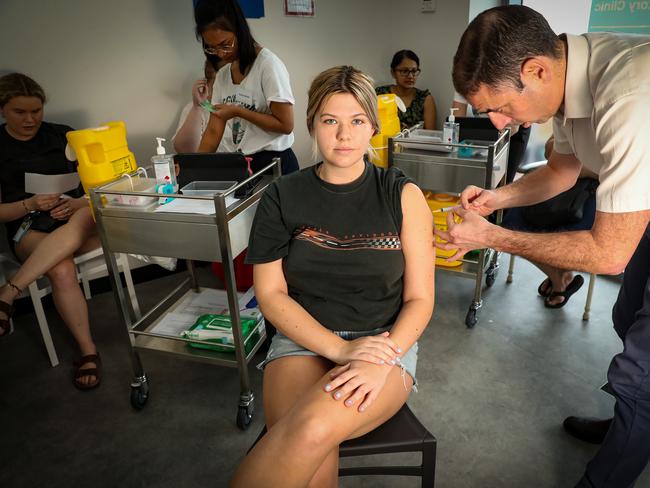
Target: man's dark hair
(400, 56)
(226, 15)
(497, 43)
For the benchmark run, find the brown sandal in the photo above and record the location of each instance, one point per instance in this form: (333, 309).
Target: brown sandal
(6, 327)
(80, 373)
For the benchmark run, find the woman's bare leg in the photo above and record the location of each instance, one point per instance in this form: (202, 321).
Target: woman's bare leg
(40, 252)
(51, 255)
(300, 441)
(71, 304)
(281, 395)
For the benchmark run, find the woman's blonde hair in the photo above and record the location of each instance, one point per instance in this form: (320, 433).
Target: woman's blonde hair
(19, 85)
(342, 79)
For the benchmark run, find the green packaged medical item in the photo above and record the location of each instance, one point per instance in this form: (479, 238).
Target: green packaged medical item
(217, 329)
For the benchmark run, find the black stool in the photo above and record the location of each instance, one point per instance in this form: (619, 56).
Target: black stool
(401, 433)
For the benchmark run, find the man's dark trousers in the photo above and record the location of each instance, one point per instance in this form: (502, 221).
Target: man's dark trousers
(625, 451)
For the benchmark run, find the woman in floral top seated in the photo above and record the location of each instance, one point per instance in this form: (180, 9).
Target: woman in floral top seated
(420, 105)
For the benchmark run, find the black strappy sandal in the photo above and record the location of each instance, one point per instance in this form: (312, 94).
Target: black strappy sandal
(6, 327)
(80, 373)
(573, 287)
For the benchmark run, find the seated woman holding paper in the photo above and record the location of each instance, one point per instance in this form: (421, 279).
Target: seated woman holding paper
(343, 257)
(44, 230)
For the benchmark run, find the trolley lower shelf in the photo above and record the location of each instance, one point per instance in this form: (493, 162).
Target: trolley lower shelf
(145, 338)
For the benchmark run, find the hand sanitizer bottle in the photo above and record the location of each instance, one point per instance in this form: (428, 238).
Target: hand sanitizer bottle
(163, 166)
(450, 130)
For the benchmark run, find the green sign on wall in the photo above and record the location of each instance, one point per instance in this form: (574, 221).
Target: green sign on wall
(631, 16)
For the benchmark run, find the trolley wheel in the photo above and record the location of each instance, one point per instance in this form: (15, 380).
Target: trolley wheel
(244, 416)
(470, 318)
(139, 395)
(490, 278)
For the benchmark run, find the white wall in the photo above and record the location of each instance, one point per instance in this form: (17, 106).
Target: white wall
(101, 61)
(136, 60)
(433, 36)
(335, 35)
(563, 17)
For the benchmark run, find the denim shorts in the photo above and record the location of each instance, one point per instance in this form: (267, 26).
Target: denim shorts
(282, 346)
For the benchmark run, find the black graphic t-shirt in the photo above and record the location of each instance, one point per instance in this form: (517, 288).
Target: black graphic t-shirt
(340, 245)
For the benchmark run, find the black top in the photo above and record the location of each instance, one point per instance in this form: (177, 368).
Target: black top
(44, 153)
(340, 245)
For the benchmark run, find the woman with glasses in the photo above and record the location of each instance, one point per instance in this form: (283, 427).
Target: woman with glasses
(251, 93)
(420, 105)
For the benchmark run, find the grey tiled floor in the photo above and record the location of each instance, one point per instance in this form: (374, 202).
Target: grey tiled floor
(494, 397)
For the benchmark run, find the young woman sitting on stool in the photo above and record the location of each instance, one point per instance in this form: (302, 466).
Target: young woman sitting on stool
(343, 268)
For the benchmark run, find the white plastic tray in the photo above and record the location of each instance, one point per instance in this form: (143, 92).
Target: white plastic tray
(207, 188)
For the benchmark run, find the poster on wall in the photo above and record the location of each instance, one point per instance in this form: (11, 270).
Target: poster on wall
(299, 8)
(632, 17)
(253, 9)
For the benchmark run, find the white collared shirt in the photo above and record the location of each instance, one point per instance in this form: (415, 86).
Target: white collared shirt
(606, 119)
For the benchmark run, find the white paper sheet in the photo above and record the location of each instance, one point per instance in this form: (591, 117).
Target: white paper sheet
(189, 205)
(207, 301)
(38, 184)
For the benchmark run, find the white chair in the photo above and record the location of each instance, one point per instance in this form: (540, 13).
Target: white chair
(90, 265)
(590, 290)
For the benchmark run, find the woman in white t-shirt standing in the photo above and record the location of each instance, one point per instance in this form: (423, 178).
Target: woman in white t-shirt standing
(251, 93)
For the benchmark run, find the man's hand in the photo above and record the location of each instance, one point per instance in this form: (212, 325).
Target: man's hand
(479, 200)
(472, 233)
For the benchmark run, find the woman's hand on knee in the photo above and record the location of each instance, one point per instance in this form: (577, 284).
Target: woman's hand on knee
(357, 383)
(378, 349)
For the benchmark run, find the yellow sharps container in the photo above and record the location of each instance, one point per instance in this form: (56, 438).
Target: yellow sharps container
(389, 127)
(102, 154)
(437, 201)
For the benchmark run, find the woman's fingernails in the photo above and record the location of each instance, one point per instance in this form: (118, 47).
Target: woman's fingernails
(337, 395)
(362, 408)
(381, 361)
(328, 387)
(392, 361)
(399, 349)
(348, 402)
